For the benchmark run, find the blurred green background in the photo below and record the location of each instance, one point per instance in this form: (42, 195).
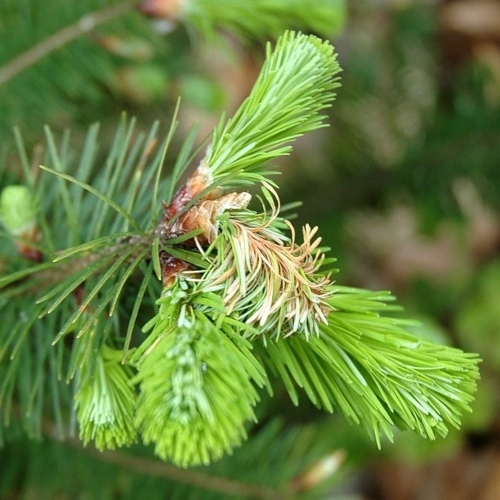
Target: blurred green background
(404, 185)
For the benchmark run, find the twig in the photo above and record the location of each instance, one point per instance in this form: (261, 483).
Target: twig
(84, 25)
(163, 470)
(190, 477)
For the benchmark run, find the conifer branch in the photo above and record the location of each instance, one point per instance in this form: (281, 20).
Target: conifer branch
(84, 25)
(328, 340)
(239, 298)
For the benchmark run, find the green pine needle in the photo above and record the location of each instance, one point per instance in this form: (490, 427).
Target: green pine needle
(108, 201)
(374, 371)
(422, 386)
(105, 402)
(196, 384)
(295, 85)
(268, 281)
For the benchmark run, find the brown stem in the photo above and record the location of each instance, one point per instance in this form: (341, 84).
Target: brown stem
(193, 478)
(60, 270)
(142, 465)
(84, 25)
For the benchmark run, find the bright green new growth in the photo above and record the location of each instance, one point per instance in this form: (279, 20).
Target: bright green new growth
(18, 210)
(295, 85)
(195, 376)
(375, 372)
(105, 401)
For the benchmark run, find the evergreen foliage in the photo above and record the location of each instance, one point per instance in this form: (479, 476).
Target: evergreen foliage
(238, 299)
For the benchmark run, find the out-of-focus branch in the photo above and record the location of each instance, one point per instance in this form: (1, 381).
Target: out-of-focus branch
(142, 465)
(84, 25)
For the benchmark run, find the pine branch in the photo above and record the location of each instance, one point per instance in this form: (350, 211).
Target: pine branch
(238, 299)
(77, 293)
(332, 342)
(83, 26)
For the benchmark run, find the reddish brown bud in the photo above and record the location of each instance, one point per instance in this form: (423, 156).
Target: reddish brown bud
(24, 244)
(198, 181)
(171, 267)
(204, 214)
